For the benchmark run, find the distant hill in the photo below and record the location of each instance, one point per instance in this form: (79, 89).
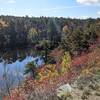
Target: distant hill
(20, 31)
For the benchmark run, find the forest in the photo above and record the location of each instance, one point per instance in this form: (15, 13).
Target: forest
(70, 51)
(71, 34)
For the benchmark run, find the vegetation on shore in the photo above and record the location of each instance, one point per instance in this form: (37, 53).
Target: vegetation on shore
(69, 47)
(72, 34)
(44, 87)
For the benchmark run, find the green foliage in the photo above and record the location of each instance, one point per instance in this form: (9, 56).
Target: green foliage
(66, 61)
(32, 35)
(78, 40)
(46, 48)
(75, 34)
(53, 30)
(31, 68)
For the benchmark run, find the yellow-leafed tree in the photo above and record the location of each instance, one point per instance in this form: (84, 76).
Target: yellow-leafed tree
(66, 61)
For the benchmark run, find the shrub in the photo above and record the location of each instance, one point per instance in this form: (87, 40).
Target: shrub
(31, 68)
(66, 61)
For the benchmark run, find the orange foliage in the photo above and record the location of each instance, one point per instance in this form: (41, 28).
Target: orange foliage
(50, 80)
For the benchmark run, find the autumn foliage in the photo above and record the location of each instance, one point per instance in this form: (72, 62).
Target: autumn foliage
(49, 79)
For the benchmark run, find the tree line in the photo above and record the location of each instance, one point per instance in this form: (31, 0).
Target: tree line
(71, 34)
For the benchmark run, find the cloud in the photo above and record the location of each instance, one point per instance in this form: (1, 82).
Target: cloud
(55, 9)
(7, 1)
(84, 17)
(11, 1)
(88, 2)
(98, 12)
(79, 17)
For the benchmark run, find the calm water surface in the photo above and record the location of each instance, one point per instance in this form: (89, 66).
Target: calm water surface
(12, 65)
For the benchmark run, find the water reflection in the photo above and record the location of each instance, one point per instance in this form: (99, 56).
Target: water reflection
(13, 55)
(12, 66)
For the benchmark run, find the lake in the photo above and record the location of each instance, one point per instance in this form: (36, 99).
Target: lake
(12, 66)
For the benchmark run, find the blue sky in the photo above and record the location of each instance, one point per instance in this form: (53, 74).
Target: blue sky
(57, 8)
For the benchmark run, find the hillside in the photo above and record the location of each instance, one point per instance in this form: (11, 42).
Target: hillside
(70, 51)
(21, 31)
(83, 79)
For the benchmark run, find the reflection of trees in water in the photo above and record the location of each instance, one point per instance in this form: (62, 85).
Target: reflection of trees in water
(10, 79)
(19, 54)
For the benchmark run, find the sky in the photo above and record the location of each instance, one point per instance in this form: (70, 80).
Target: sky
(51, 8)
